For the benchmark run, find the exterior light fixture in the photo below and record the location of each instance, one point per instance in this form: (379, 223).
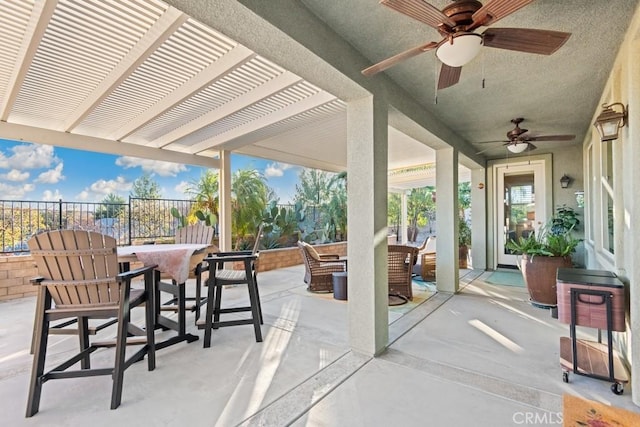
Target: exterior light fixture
(460, 49)
(518, 147)
(565, 181)
(610, 121)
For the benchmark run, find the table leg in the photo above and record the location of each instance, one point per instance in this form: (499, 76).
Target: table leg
(177, 290)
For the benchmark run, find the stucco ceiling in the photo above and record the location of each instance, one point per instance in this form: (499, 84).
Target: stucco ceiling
(182, 79)
(556, 94)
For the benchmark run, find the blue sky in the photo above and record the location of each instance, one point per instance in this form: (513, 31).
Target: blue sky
(43, 172)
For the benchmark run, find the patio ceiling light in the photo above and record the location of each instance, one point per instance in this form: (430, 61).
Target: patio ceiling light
(460, 49)
(518, 147)
(610, 121)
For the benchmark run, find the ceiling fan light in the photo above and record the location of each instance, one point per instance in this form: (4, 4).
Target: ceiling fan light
(460, 50)
(518, 147)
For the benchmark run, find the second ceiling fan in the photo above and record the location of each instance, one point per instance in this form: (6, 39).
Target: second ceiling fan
(519, 141)
(459, 44)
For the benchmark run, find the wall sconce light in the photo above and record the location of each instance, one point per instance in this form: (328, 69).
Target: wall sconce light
(565, 181)
(610, 121)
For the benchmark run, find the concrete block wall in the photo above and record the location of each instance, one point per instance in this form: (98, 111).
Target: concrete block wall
(17, 271)
(15, 275)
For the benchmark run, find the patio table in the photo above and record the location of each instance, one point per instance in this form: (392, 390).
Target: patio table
(174, 261)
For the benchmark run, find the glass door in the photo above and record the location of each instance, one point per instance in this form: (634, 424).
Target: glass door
(520, 206)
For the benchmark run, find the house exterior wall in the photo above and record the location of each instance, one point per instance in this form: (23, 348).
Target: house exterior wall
(618, 180)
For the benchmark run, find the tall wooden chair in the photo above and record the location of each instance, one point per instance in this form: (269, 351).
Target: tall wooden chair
(79, 274)
(222, 272)
(400, 262)
(195, 234)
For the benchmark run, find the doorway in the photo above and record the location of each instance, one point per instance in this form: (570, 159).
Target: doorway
(521, 206)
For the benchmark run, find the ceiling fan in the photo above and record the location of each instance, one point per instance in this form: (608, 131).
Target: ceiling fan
(518, 141)
(460, 44)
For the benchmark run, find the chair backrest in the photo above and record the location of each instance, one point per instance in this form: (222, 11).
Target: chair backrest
(79, 267)
(256, 244)
(196, 233)
(430, 245)
(400, 262)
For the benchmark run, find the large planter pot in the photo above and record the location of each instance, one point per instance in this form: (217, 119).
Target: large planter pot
(463, 256)
(540, 277)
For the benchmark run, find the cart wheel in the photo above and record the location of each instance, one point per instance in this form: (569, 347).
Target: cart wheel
(565, 376)
(617, 388)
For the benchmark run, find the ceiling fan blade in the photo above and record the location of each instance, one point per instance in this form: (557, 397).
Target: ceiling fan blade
(449, 76)
(530, 147)
(421, 11)
(543, 42)
(491, 142)
(390, 62)
(495, 10)
(551, 138)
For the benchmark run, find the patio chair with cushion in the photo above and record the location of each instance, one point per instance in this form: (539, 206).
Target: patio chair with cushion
(319, 268)
(426, 264)
(400, 262)
(79, 273)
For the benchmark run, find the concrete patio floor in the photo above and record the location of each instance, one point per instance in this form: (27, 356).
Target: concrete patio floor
(483, 357)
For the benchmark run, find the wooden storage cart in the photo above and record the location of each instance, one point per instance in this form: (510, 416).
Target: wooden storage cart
(595, 299)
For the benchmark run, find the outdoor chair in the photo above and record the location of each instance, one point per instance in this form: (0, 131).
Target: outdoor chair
(193, 234)
(426, 264)
(319, 268)
(79, 273)
(222, 272)
(400, 262)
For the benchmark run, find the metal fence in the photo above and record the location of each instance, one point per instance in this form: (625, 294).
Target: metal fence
(139, 219)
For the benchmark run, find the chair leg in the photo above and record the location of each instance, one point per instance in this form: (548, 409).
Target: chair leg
(255, 308)
(151, 340)
(198, 296)
(217, 305)
(209, 315)
(255, 280)
(119, 367)
(41, 336)
(83, 335)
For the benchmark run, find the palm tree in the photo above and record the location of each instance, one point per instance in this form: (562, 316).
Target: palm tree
(205, 193)
(250, 196)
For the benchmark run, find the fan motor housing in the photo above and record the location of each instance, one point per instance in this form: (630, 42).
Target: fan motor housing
(461, 11)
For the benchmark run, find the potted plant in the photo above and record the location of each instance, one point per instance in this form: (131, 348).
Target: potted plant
(464, 241)
(543, 253)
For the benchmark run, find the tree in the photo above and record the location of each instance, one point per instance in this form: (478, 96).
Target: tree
(314, 188)
(420, 207)
(112, 206)
(249, 194)
(205, 192)
(145, 188)
(144, 213)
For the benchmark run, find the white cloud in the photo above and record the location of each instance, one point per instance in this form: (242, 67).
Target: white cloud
(182, 187)
(49, 196)
(52, 176)
(16, 176)
(83, 195)
(117, 185)
(276, 169)
(151, 166)
(29, 156)
(15, 192)
(99, 189)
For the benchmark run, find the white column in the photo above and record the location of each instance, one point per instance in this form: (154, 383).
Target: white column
(225, 200)
(478, 219)
(367, 219)
(447, 268)
(404, 224)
